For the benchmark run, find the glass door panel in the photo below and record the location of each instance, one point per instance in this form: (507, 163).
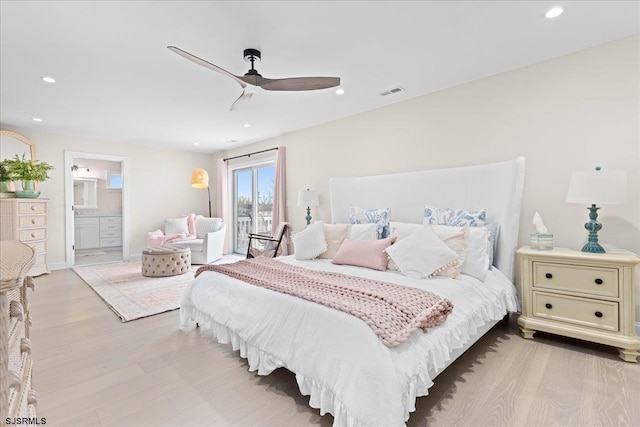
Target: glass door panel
(253, 203)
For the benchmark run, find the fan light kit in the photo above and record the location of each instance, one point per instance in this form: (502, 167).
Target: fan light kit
(252, 79)
(554, 12)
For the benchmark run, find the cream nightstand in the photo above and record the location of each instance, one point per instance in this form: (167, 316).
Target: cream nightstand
(580, 295)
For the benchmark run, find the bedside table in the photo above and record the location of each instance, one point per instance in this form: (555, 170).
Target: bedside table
(580, 295)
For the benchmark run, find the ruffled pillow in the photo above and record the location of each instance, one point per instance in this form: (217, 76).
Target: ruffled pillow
(476, 263)
(310, 242)
(364, 253)
(422, 254)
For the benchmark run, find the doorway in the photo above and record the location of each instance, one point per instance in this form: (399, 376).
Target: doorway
(253, 189)
(96, 214)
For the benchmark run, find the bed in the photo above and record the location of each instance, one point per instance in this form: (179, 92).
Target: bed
(337, 360)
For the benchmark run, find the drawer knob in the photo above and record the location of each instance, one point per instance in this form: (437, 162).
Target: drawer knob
(598, 314)
(33, 207)
(33, 221)
(548, 275)
(549, 306)
(33, 234)
(598, 281)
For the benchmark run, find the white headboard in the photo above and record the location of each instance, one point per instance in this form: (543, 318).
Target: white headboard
(497, 187)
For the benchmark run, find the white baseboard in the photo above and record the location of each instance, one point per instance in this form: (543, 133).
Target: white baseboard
(57, 266)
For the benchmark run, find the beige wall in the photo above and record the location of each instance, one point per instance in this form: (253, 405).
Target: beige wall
(159, 185)
(567, 114)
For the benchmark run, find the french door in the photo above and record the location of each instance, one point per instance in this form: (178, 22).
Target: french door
(253, 189)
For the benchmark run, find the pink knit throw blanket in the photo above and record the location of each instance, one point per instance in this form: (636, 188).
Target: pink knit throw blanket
(394, 312)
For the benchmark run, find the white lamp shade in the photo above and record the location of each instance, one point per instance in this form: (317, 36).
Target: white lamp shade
(598, 188)
(308, 198)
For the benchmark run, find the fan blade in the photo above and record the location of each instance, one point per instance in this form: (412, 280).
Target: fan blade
(301, 83)
(206, 64)
(243, 99)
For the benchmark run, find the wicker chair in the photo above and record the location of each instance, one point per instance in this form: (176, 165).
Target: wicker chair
(270, 246)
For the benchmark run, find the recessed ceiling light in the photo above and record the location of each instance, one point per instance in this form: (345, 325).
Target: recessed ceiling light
(554, 12)
(247, 125)
(339, 91)
(195, 143)
(36, 119)
(48, 79)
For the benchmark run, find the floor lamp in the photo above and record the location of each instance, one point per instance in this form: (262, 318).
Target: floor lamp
(200, 179)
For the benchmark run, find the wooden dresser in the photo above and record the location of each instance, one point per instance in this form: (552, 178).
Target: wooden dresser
(17, 399)
(26, 220)
(580, 295)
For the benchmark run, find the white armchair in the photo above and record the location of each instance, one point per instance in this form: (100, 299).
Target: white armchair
(204, 236)
(209, 242)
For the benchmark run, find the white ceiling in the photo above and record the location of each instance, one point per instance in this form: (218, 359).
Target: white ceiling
(116, 80)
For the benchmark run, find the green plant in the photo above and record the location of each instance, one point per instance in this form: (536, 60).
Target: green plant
(6, 174)
(22, 169)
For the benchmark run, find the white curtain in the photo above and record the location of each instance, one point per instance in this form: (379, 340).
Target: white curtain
(222, 198)
(280, 197)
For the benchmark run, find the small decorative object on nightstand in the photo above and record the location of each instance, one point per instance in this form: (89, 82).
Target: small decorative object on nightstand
(580, 295)
(308, 198)
(597, 188)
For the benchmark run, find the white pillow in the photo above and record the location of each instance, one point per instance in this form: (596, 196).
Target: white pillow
(476, 263)
(400, 230)
(310, 242)
(207, 225)
(363, 232)
(176, 226)
(421, 254)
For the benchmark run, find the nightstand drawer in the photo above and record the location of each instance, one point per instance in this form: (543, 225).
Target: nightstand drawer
(576, 278)
(579, 311)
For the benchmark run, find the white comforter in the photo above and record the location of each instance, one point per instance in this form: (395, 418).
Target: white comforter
(338, 360)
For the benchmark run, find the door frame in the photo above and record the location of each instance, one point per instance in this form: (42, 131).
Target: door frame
(68, 200)
(231, 169)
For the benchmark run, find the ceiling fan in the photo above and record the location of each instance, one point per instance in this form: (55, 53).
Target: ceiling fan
(252, 79)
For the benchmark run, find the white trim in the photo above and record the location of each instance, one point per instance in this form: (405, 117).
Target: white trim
(68, 196)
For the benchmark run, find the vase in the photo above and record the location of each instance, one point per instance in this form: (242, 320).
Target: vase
(28, 190)
(6, 189)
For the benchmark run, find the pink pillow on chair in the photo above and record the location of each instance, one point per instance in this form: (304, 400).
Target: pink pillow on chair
(364, 253)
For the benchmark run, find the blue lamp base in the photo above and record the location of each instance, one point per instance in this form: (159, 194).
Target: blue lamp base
(308, 217)
(593, 226)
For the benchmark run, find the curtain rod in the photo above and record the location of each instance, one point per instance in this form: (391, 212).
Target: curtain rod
(250, 154)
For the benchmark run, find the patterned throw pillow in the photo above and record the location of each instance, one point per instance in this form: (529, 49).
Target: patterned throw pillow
(380, 217)
(454, 217)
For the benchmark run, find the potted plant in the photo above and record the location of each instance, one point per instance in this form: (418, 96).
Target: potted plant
(6, 177)
(28, 171)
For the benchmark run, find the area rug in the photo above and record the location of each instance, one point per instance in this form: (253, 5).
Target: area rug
(131, 295)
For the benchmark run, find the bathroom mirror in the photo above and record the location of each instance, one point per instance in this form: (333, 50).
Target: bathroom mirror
(12, 143)
(85, 193)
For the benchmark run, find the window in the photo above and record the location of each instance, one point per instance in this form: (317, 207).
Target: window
(253, 189)
(114, 180)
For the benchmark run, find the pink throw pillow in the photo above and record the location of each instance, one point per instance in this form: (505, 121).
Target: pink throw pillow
(364, 253)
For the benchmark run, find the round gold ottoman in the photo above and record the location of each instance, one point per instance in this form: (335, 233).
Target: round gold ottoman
(164, 261)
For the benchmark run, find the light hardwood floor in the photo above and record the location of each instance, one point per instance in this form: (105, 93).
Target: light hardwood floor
(92, 370)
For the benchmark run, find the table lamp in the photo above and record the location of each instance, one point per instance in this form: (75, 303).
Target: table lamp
(308, 198)
(597, 188)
